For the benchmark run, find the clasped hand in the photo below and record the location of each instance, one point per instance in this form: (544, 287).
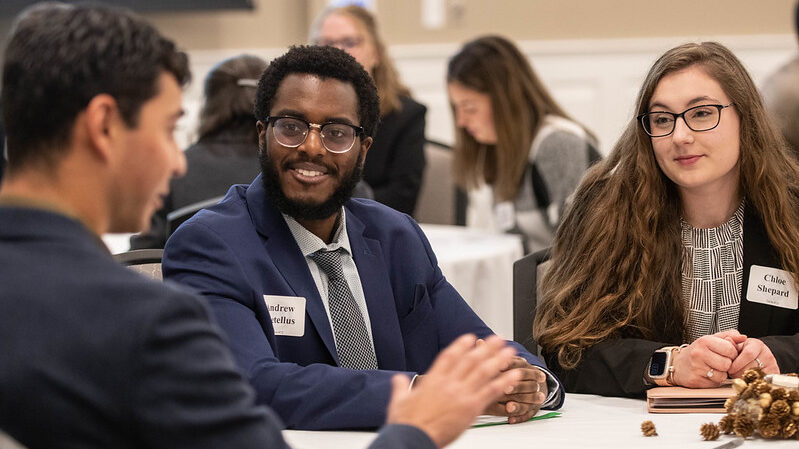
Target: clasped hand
(711, 359)
(523, 400)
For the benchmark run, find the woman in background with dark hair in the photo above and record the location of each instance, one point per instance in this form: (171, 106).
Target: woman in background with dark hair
(512, 135)
(676, 262)
(227, 151)
(396, 161)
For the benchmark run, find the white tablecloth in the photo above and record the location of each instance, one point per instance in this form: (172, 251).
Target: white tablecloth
(117, 243)
(588, 421)
(479, 265)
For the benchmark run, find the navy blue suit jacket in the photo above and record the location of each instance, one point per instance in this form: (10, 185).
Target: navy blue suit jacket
(241, 249)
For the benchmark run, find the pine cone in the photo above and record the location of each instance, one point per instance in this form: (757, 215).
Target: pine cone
(744, 426)
(793, 395)
(765, 400)
(748, 392)
(726, 423)
(729, 404)
(738, 385)
(752, 374)
(779, 408)
(761, 386)
(779, 393)
(769, 426)
(648, 428)
(788, 429)
(709, 431)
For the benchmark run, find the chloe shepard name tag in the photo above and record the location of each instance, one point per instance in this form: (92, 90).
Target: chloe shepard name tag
(287, 313)
(772, 286)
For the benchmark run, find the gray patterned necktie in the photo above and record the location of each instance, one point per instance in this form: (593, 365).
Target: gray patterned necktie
(353, 344)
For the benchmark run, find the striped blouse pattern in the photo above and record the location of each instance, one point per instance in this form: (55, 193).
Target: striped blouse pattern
(712, 272)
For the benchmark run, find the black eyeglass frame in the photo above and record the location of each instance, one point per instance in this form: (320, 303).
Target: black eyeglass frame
(359, 132)
(643, 116)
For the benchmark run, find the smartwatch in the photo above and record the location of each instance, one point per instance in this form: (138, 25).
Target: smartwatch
(660, 369)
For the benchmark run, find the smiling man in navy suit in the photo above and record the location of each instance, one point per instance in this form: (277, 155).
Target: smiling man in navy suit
(323, 297)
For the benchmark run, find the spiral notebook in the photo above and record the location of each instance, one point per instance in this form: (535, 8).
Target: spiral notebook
(688, 400)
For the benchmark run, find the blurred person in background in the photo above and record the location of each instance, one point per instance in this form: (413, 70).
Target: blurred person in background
(227, 151)
(513, 136)
(781, 96)
(396, 159)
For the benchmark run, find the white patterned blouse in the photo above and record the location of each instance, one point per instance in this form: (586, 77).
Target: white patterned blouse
(712, 271)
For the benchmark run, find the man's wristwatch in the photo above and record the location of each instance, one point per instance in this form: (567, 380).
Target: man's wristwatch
(660, 368)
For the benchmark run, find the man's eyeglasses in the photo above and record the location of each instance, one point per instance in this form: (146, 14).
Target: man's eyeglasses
(345, 43)
(336, 137)
(698, 118)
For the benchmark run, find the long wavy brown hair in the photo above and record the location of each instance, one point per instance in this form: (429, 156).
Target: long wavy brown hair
(519, 100)
(389, 86)
(617, 255)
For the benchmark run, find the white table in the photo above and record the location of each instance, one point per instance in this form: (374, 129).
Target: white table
(588, 421)
(479, 265)
(117, 243)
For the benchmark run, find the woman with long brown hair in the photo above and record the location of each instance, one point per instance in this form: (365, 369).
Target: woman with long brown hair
(675, 264)
(396, 159)
(513, 136)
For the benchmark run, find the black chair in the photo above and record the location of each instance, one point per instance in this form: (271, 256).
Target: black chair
(178, 216)
(527, 272)
(145, 261)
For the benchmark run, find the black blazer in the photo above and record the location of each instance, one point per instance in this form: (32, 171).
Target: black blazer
(395, 162)
(616, 367)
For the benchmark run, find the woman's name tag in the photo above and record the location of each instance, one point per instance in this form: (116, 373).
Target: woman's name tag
(772, 286)
(287, 313)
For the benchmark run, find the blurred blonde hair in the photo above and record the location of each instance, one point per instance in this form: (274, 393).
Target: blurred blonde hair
(384, 74)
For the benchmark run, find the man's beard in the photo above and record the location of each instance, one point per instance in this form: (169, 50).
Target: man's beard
(300, 210)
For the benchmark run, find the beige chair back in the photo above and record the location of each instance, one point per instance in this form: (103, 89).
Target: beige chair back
(436, 202)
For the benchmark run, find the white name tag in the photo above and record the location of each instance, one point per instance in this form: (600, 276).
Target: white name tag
(772, 286)
(505, 216)
(287, 313)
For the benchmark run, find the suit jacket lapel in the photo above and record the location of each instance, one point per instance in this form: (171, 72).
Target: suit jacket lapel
(372, 269)
(287, 258)
(753, 318)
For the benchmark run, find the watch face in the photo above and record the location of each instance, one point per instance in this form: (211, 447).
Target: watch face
(658, 364)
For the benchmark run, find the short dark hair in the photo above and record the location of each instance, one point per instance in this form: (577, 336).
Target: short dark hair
(59, 57)
(325, 62)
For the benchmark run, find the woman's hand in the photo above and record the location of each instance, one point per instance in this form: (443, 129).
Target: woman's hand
(705, 362)
(753, 353)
